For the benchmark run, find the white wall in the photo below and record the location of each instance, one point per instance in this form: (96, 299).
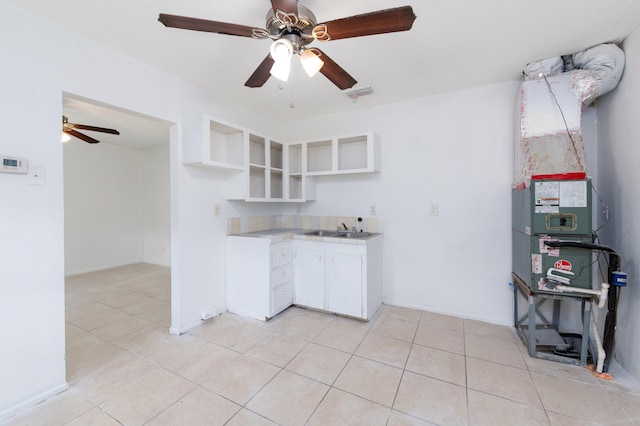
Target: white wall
(454, 150)
(117, 206)
(619, 186)
(156, 205)
(103, 224)
(36, 72)
(31, 233)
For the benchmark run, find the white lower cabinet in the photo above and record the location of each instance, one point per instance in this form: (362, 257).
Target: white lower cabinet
(309, 273)
(341, 278)
(264, 278)
(259, 277)
(344, 283)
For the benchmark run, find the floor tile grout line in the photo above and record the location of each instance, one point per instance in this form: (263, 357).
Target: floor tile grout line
(466, 372)
(368, 332)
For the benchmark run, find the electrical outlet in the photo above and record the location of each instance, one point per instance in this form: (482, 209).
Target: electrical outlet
(433, 211)
(372, 211)
(217, 210)
(208, 313)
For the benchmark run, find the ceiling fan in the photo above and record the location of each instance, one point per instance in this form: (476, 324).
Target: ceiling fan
(69, 129)
(293, 27)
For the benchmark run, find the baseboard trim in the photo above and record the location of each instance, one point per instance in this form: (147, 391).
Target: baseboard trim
(178, 331)
(32, 402)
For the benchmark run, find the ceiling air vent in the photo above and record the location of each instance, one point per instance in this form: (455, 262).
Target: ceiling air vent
(356, 93)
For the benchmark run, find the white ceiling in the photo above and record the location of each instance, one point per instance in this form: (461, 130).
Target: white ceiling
(453, 45)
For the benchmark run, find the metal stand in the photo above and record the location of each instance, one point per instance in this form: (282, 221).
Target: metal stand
(544, 340)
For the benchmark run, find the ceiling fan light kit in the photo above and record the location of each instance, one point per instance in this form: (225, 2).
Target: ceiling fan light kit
(292, 27)
(310, 62)
(281, 52)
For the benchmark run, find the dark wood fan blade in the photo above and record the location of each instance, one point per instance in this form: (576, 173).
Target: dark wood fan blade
(380, 22)
(196, 24)
(93, 128)
(335, 73)
(81, 136)
(287, 6)
(261, 74)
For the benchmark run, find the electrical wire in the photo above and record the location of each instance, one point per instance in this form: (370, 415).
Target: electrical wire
(602, 203)
(575, 149)
(566, 126)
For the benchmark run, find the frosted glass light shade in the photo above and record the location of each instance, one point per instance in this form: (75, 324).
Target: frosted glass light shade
(281, 70)
(65, 137)
(310, 62)
(281, 52)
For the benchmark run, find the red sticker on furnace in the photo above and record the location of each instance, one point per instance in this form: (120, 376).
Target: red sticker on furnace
(563, 265)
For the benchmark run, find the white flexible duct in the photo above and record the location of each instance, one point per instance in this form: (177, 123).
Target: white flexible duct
(550, 141)
(548, 67)
(605, 63)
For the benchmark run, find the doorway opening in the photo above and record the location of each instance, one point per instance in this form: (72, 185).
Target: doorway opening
(117, 205)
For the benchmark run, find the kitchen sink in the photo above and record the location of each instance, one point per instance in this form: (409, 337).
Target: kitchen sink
(338, 234)
(321, 233)
(351, 234)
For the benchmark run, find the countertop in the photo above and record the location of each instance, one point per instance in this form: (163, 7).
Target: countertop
(282, 234)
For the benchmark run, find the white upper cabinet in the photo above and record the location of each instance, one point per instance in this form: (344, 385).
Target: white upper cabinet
(270, 170)
(297, 186)
(359, 153)
(265, 169)
(222, 146)
(276, 171)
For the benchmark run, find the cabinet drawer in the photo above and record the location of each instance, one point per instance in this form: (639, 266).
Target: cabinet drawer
(281, 275)
(281, 256)
(282, 297)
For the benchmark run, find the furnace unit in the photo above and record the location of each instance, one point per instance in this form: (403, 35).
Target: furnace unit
(552, 210)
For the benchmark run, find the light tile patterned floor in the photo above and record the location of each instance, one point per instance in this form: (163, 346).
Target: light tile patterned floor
(405, 367)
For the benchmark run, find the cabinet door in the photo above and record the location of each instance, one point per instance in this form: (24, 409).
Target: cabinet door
(343, 282)
(309, 277)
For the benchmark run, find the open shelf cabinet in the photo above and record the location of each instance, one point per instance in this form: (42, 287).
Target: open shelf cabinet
(263, 169)
(297, 186)
(341, 155)
(222, 146)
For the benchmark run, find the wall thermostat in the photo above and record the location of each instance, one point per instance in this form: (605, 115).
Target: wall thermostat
(13, 164)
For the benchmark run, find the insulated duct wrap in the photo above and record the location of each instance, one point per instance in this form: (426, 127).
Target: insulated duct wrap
(605, 64)
(551, 98)
(551, 66)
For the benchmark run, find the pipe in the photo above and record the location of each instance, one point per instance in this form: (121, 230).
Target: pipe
(609, 333)
(602, 293)
(602, 355)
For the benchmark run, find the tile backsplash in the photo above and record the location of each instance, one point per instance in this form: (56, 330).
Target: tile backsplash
(239, 225)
